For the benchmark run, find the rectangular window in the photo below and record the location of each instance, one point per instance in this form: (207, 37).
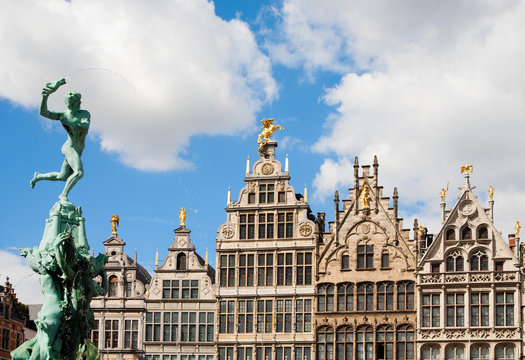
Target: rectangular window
(505, 308)
(265, 269)
(284, 268)
(266, 226)
(227, 270)
(431, 310)
(244, 353)
(131, 334)
(246, 269)
(245, 317)
(304, 268)
(5, 338)
(227, 310)
(365, 256)
(455, 310)
(303, 353)
(282, 196)
(479, 309)
(264, 316)
(206, 326)
(285, 225)
(251, 198)
(190, 289)
(435, 268)
(188, 326)
(266, 193)
(95, 332)
(128, 288)
(345, 262)
(111, 334)
(283, 316)
(385, 260)
(170, 289)
(303, 315)
(247, 226)
(225, 353)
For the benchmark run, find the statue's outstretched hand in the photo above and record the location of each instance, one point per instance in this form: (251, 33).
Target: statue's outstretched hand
(52, 86)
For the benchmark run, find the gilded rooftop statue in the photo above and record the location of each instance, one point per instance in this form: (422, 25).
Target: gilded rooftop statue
(268, 128)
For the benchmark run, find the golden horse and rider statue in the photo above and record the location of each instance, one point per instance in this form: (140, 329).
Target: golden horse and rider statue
(268, 128)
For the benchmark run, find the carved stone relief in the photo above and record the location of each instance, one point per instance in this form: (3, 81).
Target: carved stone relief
(228, 231)
(305, 230)
(267, 169)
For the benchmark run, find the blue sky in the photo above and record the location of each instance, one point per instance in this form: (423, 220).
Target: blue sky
(176, 104)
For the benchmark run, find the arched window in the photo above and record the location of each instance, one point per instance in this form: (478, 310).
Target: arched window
(365, 342)
(451, 234)
(325, 297)
(478, 352)
(479, 261)
(405, 295)
(365, 296)
(345, 296)
(345, 262)
(325, 343)
(455, 262)
(483, 233)
(385, 296)
(345, 342)
(405, 342)
(385, 343)
(505, 351)
(430, 352)
(113, 286)
(455, 352)
(181, 261)
(466, 233)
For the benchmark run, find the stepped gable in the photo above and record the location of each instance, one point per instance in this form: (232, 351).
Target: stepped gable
(367, 218)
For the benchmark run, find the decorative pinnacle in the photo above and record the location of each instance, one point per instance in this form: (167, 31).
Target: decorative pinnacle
(206, 258)
(114, 223)
(182, 216)
(248, 165)
(467, 169)
(229, 199)
(305, 193)
(286, 164)
(157, 259)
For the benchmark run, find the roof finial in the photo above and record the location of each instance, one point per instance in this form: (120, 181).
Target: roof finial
(114, 223)
(286, 164)
(248, 166)
(268, 128)
(443, 192)
(157, 259)
(206, 258)
(305, 194)
(229, 199)
(491, 193)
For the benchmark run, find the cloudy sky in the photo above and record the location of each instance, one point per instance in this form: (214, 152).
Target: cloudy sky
(176, 92)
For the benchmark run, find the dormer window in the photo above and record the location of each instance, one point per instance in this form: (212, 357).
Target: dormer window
(113, 286)
(451, 234)
(266, 193)
(181, 262)
(466, 234)
(483, 233)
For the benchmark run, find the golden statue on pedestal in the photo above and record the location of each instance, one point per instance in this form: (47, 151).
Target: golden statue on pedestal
(182, 216)
(443, 193)
(114, 223)
(517, 228)
(268, 129)
(491, 193)
(365, 197)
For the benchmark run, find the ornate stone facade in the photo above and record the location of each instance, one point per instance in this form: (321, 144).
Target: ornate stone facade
(119, 316)
(365, 306)
(13, 317)
(180, 305)
(265, 263)
(469, 289)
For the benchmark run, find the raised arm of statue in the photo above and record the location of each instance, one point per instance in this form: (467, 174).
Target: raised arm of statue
(46, 91)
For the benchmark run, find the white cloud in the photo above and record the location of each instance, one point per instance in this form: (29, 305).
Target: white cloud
(166, 72)
(24, 280)
(427, 86)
